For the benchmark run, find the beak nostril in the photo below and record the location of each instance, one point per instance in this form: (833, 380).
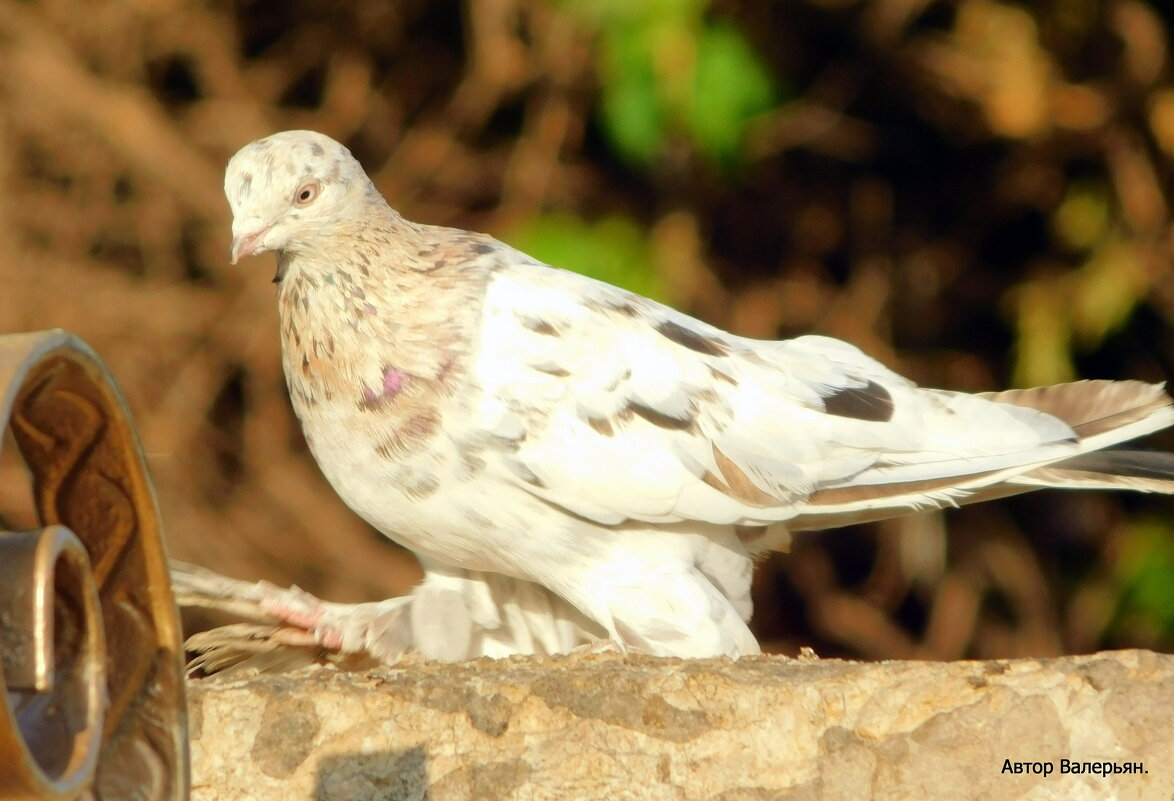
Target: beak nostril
(247, 244)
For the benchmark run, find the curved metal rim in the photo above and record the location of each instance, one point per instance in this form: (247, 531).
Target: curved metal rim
(56, 547)
(46, 373)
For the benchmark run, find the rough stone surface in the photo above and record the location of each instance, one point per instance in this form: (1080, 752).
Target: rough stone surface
(613, 727)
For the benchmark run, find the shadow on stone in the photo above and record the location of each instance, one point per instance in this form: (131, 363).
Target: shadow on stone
(382, 776)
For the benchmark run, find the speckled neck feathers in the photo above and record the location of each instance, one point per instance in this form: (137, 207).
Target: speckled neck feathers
(410, 288)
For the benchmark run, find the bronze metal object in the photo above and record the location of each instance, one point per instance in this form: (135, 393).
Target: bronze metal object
(53, 655)
(79, 720)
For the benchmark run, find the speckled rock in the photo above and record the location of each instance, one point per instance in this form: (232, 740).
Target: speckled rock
(613, 727)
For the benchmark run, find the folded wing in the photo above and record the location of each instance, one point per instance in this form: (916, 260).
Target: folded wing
(617, 408)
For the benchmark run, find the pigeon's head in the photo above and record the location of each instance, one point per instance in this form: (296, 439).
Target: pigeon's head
(289, 189)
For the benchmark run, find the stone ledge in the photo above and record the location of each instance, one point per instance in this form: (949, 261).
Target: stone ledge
(614, 727)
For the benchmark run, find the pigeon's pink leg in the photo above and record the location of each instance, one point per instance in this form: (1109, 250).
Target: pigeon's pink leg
(297, 608)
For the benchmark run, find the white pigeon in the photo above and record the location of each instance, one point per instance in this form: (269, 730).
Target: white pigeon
(623, 461)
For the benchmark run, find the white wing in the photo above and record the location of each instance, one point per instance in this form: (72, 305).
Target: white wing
(618, 408)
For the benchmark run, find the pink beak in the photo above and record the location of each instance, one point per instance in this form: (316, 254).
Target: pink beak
(246, 244)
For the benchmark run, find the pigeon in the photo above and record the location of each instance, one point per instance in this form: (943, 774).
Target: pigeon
(623, 462)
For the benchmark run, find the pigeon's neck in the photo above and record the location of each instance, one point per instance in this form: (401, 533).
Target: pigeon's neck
(382, 316)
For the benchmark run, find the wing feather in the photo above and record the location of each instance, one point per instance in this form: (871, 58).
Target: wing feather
(634, 411)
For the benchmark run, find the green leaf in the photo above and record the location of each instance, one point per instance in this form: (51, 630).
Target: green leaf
(731, 86)
(1043, 346)
(1083, 217)
(633, 112)
(665, 73)
(1146, 574)
(1108, 288)
(614, 249)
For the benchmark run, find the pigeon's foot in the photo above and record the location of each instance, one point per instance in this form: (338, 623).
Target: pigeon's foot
(380, 630)
(299, 609)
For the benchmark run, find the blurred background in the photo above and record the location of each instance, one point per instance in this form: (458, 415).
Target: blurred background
(975, 192)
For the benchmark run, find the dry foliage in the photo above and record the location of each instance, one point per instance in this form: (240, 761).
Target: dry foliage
(970, 191)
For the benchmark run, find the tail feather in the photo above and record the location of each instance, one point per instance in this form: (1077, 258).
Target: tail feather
(1141, 471)
(1102, 413)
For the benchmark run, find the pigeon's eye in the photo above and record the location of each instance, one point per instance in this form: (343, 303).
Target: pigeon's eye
(306, 193)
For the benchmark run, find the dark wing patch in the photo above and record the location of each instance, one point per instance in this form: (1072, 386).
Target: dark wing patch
(720, 376)
(602, 425)
(691, 339)
(539, 326)
(871, 402)
(619, 305)
(658, 418)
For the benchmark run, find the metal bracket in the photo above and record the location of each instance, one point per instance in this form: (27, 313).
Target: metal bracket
(91, 683)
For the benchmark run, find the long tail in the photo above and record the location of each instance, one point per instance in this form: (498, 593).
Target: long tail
(1102, 413)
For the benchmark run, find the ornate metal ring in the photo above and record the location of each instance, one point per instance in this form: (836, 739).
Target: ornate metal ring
(77, 716)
